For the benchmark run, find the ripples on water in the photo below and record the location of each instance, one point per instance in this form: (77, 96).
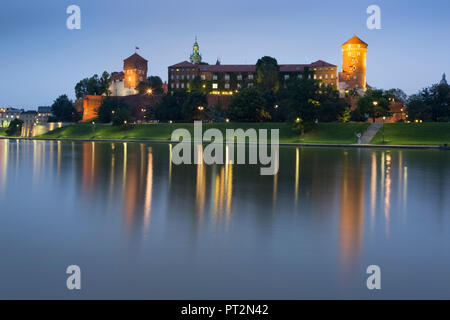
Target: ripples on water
(140, 227)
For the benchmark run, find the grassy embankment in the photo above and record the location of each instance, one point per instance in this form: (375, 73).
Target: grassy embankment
(427, 133)
(321, 133)
(2, 132)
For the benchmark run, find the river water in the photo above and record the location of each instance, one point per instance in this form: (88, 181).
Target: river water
(141, 227)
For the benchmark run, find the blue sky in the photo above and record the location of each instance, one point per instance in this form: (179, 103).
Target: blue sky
(41, 58)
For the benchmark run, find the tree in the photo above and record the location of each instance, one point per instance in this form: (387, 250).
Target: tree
(430, 104)
(170, 107)
(331, 107)
(194, 106)
(300, 100)
(109, 108)
(396, 95)
(63, 110)
(248, 105)
(268, 74)
(153, 83)
(374, 104)
(94, 85)
(15, 128)
(122, 117)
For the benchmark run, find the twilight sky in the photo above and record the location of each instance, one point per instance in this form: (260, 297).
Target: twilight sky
(41, 58)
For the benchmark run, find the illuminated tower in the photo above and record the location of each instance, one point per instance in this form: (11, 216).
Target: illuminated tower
(135, 70)
(354, 62)
(196, 57)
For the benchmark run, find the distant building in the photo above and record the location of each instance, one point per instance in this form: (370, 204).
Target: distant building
(196, 57)
(124, 83)
(443, 81)
(227, 79)
(7, 115)
(354, 64)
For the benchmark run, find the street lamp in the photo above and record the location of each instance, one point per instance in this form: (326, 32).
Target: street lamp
(149, 91)
(384, 118)
(200, 108)
(375, 103)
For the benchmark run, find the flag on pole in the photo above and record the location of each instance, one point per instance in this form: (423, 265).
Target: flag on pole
(137, 48)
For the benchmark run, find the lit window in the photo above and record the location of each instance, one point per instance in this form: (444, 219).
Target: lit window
(214, 86)
(349, 54)
(227, 77)
(203, 77)
(239, 77)
(215, 77)
(326, 76)
(300, 76)
(286, 76)
(315, 76)
(250, 77)
(227, 86)
(182, 85)
(187, 77)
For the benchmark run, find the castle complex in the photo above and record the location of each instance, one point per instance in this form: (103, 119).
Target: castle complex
(226, 79)
(124, 83)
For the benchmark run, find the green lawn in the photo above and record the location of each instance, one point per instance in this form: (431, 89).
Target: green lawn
(321, 133)
(2, 131)
(428, 133)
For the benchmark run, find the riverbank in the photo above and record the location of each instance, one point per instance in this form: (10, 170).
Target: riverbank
(323, 133)
(427, 133)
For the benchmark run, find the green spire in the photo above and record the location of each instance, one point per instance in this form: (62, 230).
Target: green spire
(196, 57)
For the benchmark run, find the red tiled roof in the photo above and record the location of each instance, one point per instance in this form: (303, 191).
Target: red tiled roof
(135, 57)
(183, 65)
(228, 68)
(355, 40)
(321, 63)
(293, 67)
(250, 67)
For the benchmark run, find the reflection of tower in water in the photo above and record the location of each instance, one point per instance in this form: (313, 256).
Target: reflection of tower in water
(352, 213)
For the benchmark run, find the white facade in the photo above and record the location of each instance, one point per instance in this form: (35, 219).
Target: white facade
(117, 89)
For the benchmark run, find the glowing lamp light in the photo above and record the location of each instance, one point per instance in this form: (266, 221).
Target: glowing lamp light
(227, 120)
(297, 120)
(375, 103)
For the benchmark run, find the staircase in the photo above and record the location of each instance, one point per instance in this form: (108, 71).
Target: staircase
(371, 132)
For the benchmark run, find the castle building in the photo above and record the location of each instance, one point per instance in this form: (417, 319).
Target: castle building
(196, 57)
(354, 64)
(226, 79)
(124, 83)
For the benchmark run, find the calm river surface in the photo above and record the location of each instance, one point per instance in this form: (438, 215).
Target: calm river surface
(139, 227)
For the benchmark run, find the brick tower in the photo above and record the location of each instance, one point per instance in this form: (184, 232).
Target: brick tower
(135, 70)
(354, 62)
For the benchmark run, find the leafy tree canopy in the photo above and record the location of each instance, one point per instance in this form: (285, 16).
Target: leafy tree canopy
(153, 83)
(267, 74)
(94, 85)
(63, 110)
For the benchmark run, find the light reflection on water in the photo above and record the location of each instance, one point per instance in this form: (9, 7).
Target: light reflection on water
(141, 227)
